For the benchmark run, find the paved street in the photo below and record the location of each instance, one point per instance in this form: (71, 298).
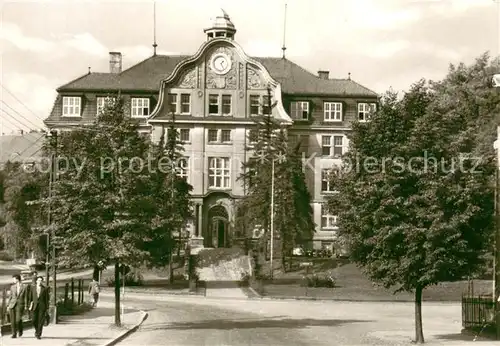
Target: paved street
(177, 320)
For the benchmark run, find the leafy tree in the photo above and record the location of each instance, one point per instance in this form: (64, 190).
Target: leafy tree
(99, 209)
(19, 219)
(292, 209)
(170, 196)
(415, 206)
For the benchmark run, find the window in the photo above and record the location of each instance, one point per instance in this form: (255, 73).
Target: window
(185, 104)
(219, 172)
(225, 136)
(266, 109)
(184, 135)
(219, 136)
(326, 179)
(254, 104)
(183, 168)
(140, 107)
(365, 110)
(252, 136)
(332, 111)
(213, 104)
(328, 221)
(172, 103)
(226, 104)
(332, 145)
(71, 106)
(213, 135)
(299, 110)
(103, 101)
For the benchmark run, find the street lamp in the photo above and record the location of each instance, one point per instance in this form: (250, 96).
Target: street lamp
(496, 260)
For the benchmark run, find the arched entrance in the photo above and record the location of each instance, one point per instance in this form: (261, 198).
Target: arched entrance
(218, 224)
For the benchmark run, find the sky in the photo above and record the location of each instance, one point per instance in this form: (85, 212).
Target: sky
(382, 43)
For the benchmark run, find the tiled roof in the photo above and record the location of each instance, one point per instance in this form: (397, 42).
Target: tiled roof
(21, 148)
(147, 75)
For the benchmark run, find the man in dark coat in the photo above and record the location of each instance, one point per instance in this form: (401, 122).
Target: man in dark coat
(16, 305)
(39, 303)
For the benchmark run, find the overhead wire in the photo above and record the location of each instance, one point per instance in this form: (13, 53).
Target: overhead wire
(21, 102)
(22, 116)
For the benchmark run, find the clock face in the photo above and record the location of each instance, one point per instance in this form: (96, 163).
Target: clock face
(221, 63)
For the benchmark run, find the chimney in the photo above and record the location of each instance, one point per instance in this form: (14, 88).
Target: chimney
(323, 74)
(115, 62)
(21, 132)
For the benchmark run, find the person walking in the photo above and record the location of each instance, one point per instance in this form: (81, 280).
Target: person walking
(16, 306)
(34, 275)
(94, 292)
(39, 303)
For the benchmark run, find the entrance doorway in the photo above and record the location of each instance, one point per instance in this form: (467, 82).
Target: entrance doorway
(218, 226)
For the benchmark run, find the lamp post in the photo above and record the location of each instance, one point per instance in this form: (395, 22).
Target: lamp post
(496, 254)
(272, 218)
(496, 260)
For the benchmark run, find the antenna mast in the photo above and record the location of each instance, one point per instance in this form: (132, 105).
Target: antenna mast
(284, 35)
(154, 29)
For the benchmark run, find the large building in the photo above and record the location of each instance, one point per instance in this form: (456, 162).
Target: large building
(215, 95)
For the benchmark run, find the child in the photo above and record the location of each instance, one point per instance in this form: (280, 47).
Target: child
(94, 292)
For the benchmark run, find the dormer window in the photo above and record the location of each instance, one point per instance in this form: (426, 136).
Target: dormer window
(332, 111)
(365, 110)
(72, 106)
(102, 102)
(140, 107)
(299, 110)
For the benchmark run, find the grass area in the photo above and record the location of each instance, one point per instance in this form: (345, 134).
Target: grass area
(351, 284)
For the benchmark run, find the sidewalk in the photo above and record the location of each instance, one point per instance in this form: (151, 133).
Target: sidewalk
(94, 328)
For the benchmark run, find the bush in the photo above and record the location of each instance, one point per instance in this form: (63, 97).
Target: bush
(72, 308)
(180, 277)
(6, 256)
(134, 278)
(327, 281)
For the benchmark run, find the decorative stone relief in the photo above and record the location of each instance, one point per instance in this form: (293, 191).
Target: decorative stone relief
(199, 71)
(254, 79)
(241, 75)
(216, 81)
(188, 80)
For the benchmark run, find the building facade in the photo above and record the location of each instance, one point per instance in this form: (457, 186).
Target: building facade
(215, 95)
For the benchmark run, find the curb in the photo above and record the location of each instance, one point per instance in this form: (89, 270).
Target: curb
(129, 331)
(153, 293)
(351, 300)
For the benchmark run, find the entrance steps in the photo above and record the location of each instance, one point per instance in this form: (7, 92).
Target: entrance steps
(223, 265)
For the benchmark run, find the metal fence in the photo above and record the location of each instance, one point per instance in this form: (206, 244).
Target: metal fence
(477, 311)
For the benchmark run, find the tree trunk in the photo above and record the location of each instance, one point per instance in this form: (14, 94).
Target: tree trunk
(95, 274)
(171, 267)
(419, 333)
(117, 295)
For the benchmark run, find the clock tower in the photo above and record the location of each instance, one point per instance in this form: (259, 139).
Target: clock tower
(222, 27)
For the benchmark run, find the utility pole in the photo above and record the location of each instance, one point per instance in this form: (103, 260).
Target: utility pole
(272, 218)
(49, 219)
(496, 292)
(53, 178)
(172, 146)
(54, 260)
